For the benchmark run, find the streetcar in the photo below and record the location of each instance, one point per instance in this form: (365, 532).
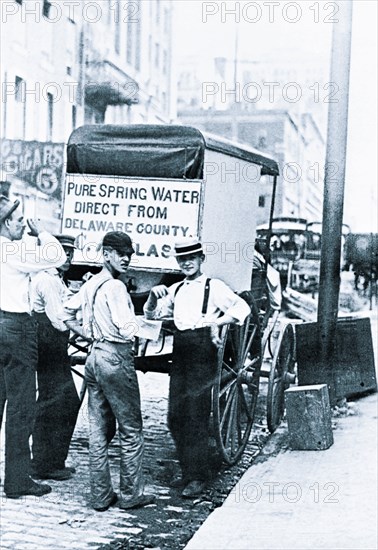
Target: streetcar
(295, 250)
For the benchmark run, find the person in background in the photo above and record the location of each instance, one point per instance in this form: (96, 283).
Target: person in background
(18, 340)
(108, 321)
(199, 307)
(58, 402)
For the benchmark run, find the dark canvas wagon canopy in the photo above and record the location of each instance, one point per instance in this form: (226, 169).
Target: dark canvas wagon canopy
(151, 151)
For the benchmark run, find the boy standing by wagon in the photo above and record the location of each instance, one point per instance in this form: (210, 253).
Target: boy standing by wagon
(199, 306)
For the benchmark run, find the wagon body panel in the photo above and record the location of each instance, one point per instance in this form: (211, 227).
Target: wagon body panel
(229, 218)
(173, 159)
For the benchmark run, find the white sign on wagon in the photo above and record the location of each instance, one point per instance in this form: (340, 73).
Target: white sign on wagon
(155, 213)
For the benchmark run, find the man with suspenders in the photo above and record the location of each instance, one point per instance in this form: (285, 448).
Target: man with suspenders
(113, 391)
(199, 307)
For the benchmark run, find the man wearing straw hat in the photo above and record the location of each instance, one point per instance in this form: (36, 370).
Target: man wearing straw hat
(58, 403)
(18, 340)
(199, 307)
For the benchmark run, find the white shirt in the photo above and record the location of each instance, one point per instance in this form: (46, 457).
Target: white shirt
(48, 292)
(186, 306)
(20, 259)
(107, 310)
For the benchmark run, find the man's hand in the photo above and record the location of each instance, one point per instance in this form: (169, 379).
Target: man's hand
(35, 227)
(156, 292)
(159, 291)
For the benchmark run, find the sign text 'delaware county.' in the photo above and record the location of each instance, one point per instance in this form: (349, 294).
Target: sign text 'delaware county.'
(155, 213)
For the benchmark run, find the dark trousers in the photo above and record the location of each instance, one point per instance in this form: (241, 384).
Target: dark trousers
(58, 403)
(192, 378)
(18, 360)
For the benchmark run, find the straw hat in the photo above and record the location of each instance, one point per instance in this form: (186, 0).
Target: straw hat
(190, 245)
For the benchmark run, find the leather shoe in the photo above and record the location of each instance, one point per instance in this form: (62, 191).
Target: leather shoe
(57, 475)
(111, 503)
(34, 489)
(143, 500)
(177, 482)
(193, 489)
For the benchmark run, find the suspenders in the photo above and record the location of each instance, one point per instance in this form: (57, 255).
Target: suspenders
(205, 296)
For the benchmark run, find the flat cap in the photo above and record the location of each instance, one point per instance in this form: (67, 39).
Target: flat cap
(66, 240)
(119, 241)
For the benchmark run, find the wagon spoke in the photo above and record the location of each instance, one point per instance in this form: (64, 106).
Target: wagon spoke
(229, 368)
(247, 349)
(230, 431)
(228, 405)
(226, 387)
(244, 401)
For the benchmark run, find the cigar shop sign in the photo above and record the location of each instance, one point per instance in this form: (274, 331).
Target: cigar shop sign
(155, 213)
(39, 164)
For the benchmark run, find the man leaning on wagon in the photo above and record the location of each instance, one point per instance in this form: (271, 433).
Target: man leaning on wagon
(199, 306)
(19, 259)
(113, 393)
(58, 403)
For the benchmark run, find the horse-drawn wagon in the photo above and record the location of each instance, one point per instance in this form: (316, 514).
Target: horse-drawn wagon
(160, 184)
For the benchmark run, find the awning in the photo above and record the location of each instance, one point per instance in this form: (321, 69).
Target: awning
(106, 84)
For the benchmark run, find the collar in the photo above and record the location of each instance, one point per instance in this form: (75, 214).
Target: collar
(201, 279)
(105, 275)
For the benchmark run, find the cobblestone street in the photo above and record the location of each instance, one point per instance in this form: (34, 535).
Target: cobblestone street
(63, 519)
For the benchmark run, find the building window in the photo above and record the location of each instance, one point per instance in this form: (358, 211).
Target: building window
(133, 38)
(19, 89)
(20, 108)
(157, 54)
(46, 8)
(166, 21)
(117, 16)
(74, 116)
(261, 201)
(165, 62)
(50, 116)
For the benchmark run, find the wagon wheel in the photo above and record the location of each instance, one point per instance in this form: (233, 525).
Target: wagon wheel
(236, 387)
(281, 376)
(78, 354)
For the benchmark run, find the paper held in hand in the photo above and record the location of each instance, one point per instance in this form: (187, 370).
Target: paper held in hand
(148, 329)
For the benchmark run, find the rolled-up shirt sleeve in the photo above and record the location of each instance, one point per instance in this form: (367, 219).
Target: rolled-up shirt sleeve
(71, 307)
(229, 302)
(48, 291)
(122, 313)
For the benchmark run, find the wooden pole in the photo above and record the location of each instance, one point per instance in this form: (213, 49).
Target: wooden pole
(333, 205)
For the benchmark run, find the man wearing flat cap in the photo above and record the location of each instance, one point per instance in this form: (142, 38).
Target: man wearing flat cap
(19, 259)
(199, 306)
(108, 321)
(58, 403)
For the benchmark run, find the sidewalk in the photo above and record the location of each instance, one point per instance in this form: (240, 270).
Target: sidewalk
(306, 499)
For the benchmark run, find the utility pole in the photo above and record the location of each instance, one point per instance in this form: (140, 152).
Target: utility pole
(333, 205)
(235, 106)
